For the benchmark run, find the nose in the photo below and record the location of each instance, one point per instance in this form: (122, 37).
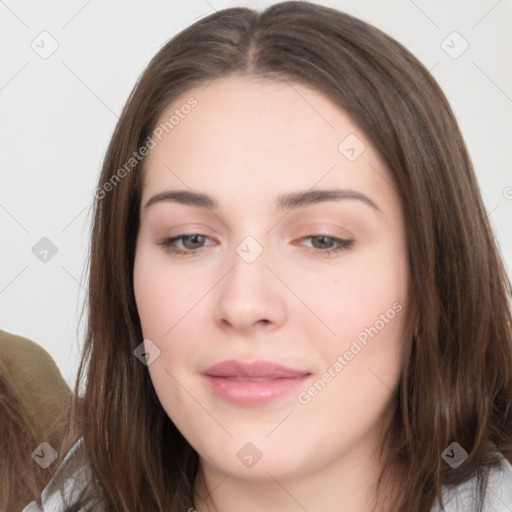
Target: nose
(250, 297)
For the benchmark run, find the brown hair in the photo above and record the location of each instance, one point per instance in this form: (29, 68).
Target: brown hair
(456, 383)
(34, 400)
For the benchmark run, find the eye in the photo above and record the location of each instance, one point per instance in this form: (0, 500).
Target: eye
(193, 243)
(340, 244)
(170, 244)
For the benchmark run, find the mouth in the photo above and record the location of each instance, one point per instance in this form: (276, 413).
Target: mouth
(252, 384)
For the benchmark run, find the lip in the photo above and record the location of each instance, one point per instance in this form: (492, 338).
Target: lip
(253, 383)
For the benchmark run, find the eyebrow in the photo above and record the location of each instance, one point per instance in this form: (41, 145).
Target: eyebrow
(284, 202)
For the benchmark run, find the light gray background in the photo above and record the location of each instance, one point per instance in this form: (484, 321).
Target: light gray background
(58, 113)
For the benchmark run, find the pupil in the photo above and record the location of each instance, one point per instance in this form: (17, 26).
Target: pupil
(194, 238)
(322, 238)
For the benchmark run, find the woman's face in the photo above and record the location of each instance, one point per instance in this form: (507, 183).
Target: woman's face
(317, 285)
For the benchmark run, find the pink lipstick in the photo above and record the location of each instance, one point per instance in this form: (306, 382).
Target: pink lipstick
(252, 384)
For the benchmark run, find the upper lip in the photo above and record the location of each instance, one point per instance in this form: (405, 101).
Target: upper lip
(254, 369)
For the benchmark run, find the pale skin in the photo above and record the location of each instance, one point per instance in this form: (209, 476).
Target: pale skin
(246, 143)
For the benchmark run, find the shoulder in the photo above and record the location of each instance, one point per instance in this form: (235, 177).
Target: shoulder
(498, 492)
(71, 478)
(32, 367)
(15, 347)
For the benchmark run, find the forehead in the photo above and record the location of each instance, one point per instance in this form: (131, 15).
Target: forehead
(240, 116)
(253, 134)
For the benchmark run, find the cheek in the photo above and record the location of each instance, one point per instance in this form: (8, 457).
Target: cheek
(161, 311)
(168, 308)
(152, 301)
(352, 295)
(360, 365)
(157, 293)
(364, 304)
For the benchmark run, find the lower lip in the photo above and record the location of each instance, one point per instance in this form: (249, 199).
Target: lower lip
(253, 393)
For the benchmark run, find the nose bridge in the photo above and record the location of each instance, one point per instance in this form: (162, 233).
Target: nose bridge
(249, 265)
(248, 293)
(250, 249)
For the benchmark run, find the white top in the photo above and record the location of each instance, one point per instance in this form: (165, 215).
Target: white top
(63, 488)
(498, 496)
(66, 483)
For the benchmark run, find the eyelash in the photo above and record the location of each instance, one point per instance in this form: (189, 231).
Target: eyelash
(169, 245)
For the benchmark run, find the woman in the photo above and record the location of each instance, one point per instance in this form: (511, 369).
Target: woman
(262, 369)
